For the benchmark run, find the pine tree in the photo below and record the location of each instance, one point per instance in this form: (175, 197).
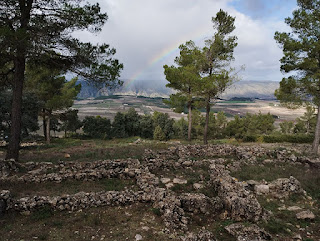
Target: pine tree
(301, 48)
(218, 53)
(40, 33)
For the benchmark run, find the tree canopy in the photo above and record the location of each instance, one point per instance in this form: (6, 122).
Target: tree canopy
(40, 33)
(301, 48)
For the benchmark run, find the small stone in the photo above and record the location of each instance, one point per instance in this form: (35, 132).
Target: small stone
(165, 180)
(138, 237)
(67, 155)
(305, 215)
(187, 163)
(262, 189)
(179, 181)
(266, 161)
(297, 237)
(169, 185)
(197, 186)
(294, 208)
(145, 228)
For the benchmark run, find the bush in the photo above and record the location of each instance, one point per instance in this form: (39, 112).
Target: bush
(97, 127)
(250, 138)
(159, 134)
(298, 138)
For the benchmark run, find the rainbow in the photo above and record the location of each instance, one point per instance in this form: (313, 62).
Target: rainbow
(200, 34)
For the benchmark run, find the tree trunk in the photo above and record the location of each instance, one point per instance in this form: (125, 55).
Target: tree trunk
(315, 144)
(205, 134)
(44, 125)
(190, 122)
(16, 109)
(48, 129)
(18, 79)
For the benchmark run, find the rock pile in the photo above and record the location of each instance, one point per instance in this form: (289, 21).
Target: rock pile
(240, 203)
(248, 233)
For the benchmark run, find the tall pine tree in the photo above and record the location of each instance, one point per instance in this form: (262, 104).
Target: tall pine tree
(218, 53)
(301, 49)
(185, 77)
(40, 32)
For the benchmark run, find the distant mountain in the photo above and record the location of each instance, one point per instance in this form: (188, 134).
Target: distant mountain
(252, 89)
(148, 88)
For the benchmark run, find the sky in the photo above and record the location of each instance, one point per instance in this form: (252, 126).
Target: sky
(147, 33)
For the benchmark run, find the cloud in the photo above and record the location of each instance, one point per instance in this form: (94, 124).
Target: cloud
(147, 33)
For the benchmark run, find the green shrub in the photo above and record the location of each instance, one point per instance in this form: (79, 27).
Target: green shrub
(250, 138)
(97, 127)
(159, 134)
(298, 138)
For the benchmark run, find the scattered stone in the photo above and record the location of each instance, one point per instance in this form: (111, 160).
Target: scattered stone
(266, 161)
(187, 163)
(203, 235)
(138, 237)
(297, 237)
(248, 233)
(262, 189)
(294, 208)
(137, 141)
(305, 215)
(179, 181)
(169, 185)
(197, 186)
(165, 180)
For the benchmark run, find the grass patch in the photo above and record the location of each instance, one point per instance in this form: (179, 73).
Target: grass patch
(105, 223)
(66, 187)
(89, 150)
(309, 178)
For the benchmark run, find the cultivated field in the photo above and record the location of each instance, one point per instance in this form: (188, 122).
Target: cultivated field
(109, 106)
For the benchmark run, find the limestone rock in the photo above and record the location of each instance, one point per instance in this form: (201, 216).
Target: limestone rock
(294, 208)
(305, 215)
(165, 180)
(197, 186)
(284, 187)
(179, 181)
(203, 235)
(261, 189)
(138, 237)
(248, 233)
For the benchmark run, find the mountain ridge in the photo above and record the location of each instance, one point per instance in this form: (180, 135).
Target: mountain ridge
(148, 88)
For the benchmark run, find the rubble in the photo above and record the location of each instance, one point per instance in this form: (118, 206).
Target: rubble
(248, 233)
(234, 200)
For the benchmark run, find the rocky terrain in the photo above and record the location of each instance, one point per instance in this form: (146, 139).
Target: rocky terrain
(190, 188)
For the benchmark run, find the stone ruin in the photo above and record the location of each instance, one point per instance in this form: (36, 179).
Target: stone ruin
(235, 200)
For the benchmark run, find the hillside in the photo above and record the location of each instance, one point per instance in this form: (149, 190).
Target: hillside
(252, 89)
